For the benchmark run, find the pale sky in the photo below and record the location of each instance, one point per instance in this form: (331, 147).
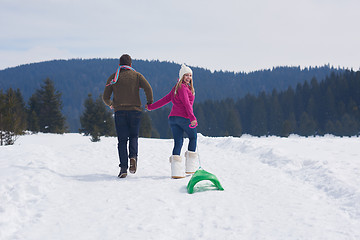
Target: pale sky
(228, 35)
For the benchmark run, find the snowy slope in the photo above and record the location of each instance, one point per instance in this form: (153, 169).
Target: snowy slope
(65, 187)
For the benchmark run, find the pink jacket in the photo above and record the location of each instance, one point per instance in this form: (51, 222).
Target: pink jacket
(182, 103)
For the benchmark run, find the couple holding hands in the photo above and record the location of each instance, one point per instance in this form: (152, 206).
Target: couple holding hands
(125, 86)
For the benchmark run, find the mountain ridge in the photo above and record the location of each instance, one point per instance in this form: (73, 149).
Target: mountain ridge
(76, 78)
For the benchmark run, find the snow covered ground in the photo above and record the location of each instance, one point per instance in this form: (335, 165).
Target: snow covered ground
(66, 187)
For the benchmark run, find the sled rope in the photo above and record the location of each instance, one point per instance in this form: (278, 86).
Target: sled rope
(199, 156)
(114, 80)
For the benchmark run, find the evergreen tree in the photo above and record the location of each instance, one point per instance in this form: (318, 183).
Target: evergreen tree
(245, 107)
(159, 122)
(33, 121)
(12, 116)
(231, 119)
(258, 117)
(299, 106)
(20, 115)
(200, 116)
(307, 125)
(353, 108)
(341, 109)
(233, 124)
(2, 117)
(275, 116)
(338, 128)
(329, 108)
(289, 126)
(286, 100)
(350, 126)
(96, 119)
(145, 126)
(330, 127)
(45, 110)
(107, 126)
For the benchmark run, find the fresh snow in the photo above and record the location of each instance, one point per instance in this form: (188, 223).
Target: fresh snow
(66, 187)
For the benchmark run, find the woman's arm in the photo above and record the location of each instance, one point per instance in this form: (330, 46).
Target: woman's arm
(160, 103)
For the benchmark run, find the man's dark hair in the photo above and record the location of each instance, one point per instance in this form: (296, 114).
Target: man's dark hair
(125, 59)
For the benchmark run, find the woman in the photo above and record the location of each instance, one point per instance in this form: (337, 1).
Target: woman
(181, 119)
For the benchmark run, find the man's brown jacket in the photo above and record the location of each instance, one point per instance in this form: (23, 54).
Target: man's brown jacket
(126, 91)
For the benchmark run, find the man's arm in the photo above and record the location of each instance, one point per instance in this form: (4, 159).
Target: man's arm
(144, 84)
(108, 91)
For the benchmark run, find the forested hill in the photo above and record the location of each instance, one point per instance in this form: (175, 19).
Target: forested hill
(76, 78)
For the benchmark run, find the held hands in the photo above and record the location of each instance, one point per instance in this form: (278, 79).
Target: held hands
(147, 108)
(193, 123)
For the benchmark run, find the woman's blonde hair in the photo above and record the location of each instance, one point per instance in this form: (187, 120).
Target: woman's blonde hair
(178, 85)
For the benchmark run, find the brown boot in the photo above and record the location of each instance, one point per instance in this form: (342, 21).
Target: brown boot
(123, 173)
(133, 165)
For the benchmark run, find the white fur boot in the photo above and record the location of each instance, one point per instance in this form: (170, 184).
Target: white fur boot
(192, 162)
(177, 167)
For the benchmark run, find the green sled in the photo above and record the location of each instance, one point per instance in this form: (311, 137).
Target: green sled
(201, 175)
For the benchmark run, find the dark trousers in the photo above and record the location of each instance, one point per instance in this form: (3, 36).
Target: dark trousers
(127, 125)
(178, 126)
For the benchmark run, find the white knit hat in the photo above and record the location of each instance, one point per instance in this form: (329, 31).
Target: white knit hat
(183, 70)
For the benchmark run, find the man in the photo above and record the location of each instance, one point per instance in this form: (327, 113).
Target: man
(125, 86)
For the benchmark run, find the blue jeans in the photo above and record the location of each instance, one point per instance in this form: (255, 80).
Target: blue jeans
(127, 125)
(178, 126)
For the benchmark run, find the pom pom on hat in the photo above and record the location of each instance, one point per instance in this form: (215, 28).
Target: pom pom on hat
(183, 70)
